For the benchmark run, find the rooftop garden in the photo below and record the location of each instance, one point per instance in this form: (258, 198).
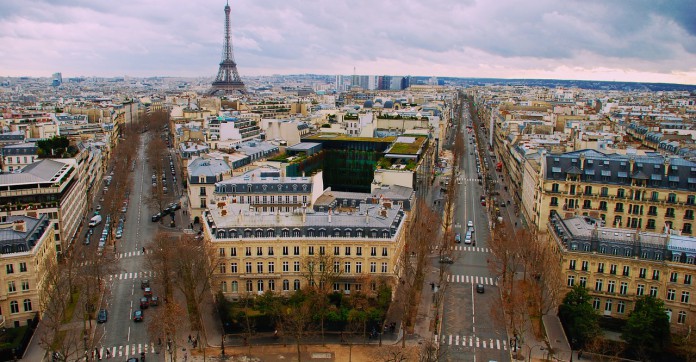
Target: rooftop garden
(342, 137)
(407, 148)
(56, 147)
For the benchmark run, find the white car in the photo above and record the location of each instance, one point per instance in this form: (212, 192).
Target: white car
(470, 224)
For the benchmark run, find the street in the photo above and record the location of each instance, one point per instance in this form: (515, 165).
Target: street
(472, 328)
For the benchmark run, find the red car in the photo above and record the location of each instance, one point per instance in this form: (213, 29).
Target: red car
(138, 316)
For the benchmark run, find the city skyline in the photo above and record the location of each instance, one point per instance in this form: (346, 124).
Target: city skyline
(645, 42)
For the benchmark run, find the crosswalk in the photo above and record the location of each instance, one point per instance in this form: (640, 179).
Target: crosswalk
(471, 248)
(471, 279)
(467, 248)
(129, 254)
(471, 341)
(133, 275)
(127, 350)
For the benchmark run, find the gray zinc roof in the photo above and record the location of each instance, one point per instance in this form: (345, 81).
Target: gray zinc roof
(42, 171)
(208, 167)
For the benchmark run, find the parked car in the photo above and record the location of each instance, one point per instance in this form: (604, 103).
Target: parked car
(138, 316)
(145, 283)
(147, 291)
(154, 301)
(458, 238)
(144, 303)
(102, 316)
(479, 288)
(446, 260)
(156, 217)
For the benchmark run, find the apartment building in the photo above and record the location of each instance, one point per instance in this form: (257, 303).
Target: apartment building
(619, 265)
(272, 251)
(203, 174)
(19, 155)
(48, 186)
(27, 250)
(643, 192)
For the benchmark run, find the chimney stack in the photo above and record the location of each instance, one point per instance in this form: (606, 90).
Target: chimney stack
(19, 225)
(329, 215)
(304, 213)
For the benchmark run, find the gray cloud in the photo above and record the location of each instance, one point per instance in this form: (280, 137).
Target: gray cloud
(645, 39)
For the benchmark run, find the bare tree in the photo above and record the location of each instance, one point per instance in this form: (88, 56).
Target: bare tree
(297, 319)
(164, 324)
(320, 273)
(161, 259)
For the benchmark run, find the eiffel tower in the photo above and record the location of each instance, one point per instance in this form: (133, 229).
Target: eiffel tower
(227, 80)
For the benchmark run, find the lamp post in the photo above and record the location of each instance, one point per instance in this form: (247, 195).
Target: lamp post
(529, 354)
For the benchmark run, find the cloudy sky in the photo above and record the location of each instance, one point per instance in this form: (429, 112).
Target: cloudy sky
(636, 40)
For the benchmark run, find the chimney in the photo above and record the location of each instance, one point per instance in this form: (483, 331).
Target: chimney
(226, 158)
(367, 216)
(329, 215)
(278, 214)
(667, 162)
(19, 225)
(304, 213)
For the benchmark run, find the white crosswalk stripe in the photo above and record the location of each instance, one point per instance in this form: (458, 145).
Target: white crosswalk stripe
(471, 249)
(474, 279)
(129, 254)
(128, 350)
(132, 275)
(471, 341)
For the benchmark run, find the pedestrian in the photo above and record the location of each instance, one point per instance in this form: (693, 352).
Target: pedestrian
(143, 250)
(189, 338)
(185, 356)
(108, 353)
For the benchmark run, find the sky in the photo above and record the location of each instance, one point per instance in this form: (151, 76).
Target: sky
(612, 40)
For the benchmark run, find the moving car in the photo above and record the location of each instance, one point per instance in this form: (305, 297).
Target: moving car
(145, 283)
(147, 292)
(479, 288)
(156, 217)
(470, 224)
(102, 316)
(458, 238)
(138, 316)
(144, 303)
(469, 237)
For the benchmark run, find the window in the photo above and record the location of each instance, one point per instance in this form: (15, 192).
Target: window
(687, 279)
(685, 297)
(259, 251)
(596, 303)
(571, 265)
(310, 250)
(373, 251)
(656, 275)
(271, 267)
(584, 265)
(11, 288)
(347, 250)
(223, 268)
(233, 252)
(271, 285)
(23, 267)
(286, 266)
(384, 251)
(620, 307)
(384, 267)
(669, 212)
(642, 273)
(673, 277)
(571, 280)
(286, 285)
(358, 267)
(337, 250)
(233, 268)
(296, 284)
(671, 294)
(554, 201)
(653, 292)
(322, 250)
(612, 269)
(607, 305)
(247, 251)
(640, 290)
(681, 317)
(248, 267)
(259, 285)
(610, 286)
(600, 267)
(270, 250)
(598, 285)
(626, 270)
(285, 250)
(10, 269)
(235, 286)
(295, 250)
(583, 282)
(358, 250)
(652, 210)
(623, 288)
(296, 266)
(14, 307)
(554, 187)
(346, 267)
(373, 267)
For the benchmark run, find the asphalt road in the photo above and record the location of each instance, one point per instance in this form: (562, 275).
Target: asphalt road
(122, 336)
(471, 329)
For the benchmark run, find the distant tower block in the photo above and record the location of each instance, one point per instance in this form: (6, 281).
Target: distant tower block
(227, 80)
